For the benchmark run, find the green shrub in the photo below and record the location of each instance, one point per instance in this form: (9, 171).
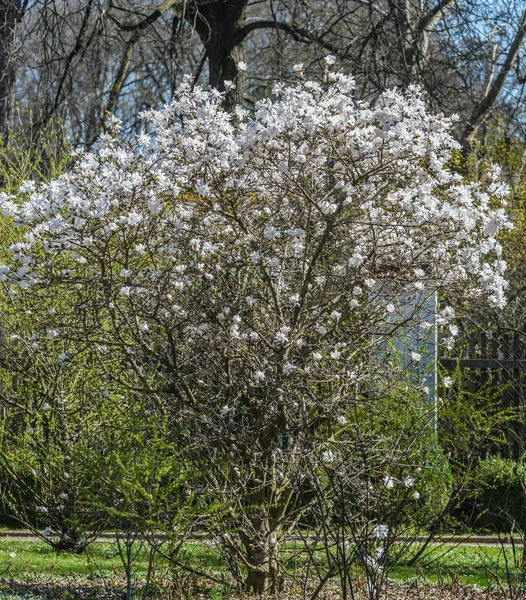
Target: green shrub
(410, 418)
(33, 153)
(434, 483)
(498, 496)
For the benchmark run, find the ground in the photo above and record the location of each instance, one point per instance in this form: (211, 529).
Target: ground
(102, 590)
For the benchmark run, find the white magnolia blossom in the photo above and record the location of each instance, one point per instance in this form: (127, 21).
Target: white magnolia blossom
(327, 456)
(415, 357)
(447, 381)
(259, 376)
(381, 532)
(409, 481)
(214, 241)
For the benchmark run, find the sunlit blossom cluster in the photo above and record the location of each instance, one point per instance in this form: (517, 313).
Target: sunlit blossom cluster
(250, 250)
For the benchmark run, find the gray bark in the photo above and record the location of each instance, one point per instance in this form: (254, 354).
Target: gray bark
(415, 29)
(10, 11)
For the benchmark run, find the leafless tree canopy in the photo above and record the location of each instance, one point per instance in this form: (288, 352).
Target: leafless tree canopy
(76, 60)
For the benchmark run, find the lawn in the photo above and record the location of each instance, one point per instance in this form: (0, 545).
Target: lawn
(36, 560)
(470, 565)
(34, 566)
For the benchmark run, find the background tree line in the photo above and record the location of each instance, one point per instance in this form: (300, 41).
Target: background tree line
(76, 60)
(65, 65)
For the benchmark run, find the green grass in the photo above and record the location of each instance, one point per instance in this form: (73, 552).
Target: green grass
(469, 565)
(17, 597)
(36, 561)
(27, 560)
(30, 565)
(483, 566)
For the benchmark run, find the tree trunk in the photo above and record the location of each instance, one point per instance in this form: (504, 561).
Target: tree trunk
(261, 538)
(262, 555)
(256, 538)
(415, 29)
(217, 24)
(258, 574)
(9, 15)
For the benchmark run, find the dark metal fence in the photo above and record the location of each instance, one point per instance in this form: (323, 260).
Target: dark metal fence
(497, 361)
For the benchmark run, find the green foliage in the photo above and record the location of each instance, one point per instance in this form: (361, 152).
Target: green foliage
(435, 482)
(499, 494)
(421, 457)
(85, 459)
(147, 485)
(38, 155)
(472, 423)
(51, 460)
(32, 153)
(397, 471)
(407, 419)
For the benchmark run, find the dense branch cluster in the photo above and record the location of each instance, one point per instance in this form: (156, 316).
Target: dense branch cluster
(276, 242)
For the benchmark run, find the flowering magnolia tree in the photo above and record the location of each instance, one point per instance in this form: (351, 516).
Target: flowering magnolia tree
(244, 273)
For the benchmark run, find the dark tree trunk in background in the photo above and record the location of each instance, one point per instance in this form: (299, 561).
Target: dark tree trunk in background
(9, 14)
(218, 25)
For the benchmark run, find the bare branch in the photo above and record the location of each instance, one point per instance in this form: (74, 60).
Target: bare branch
(482, 110)
(299, 34)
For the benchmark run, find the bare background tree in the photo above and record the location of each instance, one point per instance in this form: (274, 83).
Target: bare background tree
(11, 11)
(76, 60)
